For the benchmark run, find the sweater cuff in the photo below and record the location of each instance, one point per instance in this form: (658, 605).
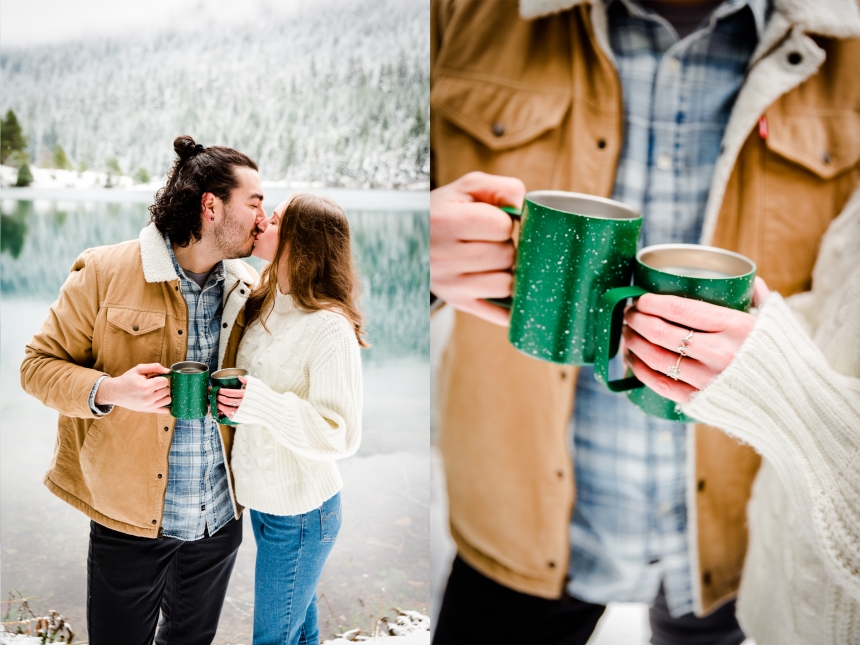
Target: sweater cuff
(780, 394)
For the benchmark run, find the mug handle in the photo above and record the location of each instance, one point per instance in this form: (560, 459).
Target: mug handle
(507, 303)
(213, 406)
(166, 408)
(608, 336)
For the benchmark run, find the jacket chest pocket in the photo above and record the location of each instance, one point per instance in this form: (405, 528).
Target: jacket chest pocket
(811, 166)
(498, 128)
(132, 337)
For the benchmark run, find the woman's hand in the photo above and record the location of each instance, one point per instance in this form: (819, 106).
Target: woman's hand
(656, 328)
(229, 400)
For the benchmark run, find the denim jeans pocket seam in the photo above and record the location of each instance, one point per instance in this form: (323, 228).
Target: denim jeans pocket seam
(326, 517)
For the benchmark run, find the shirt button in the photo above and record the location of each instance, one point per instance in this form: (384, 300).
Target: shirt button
(664, 162)
(665, 436)
(665, 508)
(203, 508)
(673, 64)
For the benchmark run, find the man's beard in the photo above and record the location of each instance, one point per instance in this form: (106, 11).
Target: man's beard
(230, 237)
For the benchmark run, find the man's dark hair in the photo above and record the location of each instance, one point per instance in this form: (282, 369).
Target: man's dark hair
(197, 170)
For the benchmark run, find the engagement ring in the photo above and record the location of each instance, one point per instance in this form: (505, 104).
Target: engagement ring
(674, 372)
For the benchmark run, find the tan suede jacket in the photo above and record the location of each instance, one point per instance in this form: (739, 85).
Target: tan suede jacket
(120, 307)
(539, 98)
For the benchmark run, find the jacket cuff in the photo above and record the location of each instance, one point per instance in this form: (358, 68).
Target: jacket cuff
(98, 410)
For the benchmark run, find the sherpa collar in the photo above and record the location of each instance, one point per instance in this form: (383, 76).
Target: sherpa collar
(835, 18)
(158, 267)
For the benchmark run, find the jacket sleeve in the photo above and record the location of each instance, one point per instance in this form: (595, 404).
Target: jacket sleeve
(326, 425)
(783, 397)
(57, 361)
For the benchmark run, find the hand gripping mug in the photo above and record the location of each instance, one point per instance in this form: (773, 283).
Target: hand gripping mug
(704, 273)
(229, 379)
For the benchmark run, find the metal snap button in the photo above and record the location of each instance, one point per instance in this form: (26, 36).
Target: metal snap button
(498, 128)
(135, 328)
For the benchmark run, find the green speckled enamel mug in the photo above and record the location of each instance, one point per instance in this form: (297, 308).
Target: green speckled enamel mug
(703, 273)
(189, 382)
(571, 249)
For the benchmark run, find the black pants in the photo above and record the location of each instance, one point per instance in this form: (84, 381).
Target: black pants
(129, 579)
(720, 628)
(477, 610)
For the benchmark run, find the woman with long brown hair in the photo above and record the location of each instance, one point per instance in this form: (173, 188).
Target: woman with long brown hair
(300, 409)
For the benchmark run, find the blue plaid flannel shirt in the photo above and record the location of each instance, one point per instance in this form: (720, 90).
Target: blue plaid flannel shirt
(197, 494)
(629, 528)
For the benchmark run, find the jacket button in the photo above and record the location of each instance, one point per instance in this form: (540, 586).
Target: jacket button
(601, 143)
(825, 157)
(166, 428)
(135, 328)
(180, 332)
(155, 521)
(242, 291)
(560, 474)
(794, 58)
(551, 564)
(159, 475)
(498, 128)
(706, 577)
(701, 485)
(176, 287)
(224, 325)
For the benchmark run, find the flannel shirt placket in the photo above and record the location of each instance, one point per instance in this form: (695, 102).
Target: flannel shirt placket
(197, 494)
(629, 528)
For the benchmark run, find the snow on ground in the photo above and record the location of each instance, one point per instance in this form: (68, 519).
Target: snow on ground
(56, 178)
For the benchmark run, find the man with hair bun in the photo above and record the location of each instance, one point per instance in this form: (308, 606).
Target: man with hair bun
(165, 525)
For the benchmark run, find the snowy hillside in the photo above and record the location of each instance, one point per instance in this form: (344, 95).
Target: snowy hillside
(334, 91)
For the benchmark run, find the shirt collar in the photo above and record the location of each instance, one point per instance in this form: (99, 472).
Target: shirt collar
(217, 271)
(759, 8)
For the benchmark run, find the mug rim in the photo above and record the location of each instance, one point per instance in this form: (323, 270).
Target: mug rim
(177, 366)
(697, 247)
(240, 371)
(629, 213)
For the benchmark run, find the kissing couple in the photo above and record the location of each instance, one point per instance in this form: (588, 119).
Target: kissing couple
(165, 495)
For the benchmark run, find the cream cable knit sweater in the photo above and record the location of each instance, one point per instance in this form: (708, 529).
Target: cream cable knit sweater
(793, 393)
(301, 411)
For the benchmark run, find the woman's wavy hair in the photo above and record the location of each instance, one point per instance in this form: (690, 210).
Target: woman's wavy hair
(314, 234)
(197, 170)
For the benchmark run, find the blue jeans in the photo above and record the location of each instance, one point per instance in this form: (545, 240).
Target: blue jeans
(291, 552)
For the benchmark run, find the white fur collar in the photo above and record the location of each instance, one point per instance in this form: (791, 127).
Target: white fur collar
(836, 18)
(158, 267)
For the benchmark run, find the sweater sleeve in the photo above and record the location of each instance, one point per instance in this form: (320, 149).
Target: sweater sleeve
(781, 396)
(326, 425)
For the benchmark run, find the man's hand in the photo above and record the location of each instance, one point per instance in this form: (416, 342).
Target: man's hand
(471, 251)
(137, 389)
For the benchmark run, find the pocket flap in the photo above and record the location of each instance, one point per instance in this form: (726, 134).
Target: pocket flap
(824, 142)
(500, 116)
(136, 322)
